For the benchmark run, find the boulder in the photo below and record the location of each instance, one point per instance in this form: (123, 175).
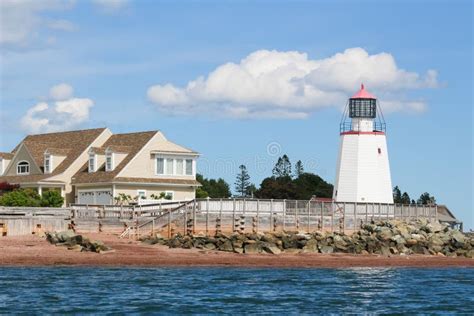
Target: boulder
(271, 248)
(326, 249)
(226, 246)
(209, 246)
(252, 248)
(311, 246)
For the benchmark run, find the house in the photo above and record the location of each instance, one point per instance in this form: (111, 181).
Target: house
(94, 166)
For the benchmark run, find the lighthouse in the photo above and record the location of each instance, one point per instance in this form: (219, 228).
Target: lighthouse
(363, 170)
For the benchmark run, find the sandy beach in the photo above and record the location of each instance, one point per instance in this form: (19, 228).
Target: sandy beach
(36, 251)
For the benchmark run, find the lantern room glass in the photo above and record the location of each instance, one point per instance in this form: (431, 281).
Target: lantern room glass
(364, 108)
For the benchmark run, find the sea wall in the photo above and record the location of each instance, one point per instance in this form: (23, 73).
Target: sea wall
(384, 238)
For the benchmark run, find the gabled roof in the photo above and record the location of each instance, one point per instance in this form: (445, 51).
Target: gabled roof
(133, 142)
(72, 143)
(8, 156)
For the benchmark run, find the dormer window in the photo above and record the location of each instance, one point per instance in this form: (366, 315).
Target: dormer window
(47, 163)
(23, 167)
(92, 162)
(109, 161)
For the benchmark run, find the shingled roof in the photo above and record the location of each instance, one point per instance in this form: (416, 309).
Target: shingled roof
(72, 144)
(131, 143)
(6, 155)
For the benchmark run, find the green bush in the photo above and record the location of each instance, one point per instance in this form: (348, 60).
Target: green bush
(31, 198)
(52, 198)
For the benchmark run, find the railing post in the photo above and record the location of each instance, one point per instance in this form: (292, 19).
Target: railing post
(194, 217)
(332, 216)
(221, 207)
(258, 213)
(297, 225)
(233, 215)
(366, 213)
(355, 216)
(169, 224)
(185, 224)
(309, 216)
(380, 212)
(322, 216)
(207, 217)
(271, 215)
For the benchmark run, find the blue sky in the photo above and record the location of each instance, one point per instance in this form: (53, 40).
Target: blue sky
(242, 82)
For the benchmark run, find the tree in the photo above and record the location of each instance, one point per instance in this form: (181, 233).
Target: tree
(212, 188)
(277, 188)
(242, 182)
(282, 167)
(251, 190)
(299, 170)
(397, 195)
(426, 198)
(308, 185)
(405, 199)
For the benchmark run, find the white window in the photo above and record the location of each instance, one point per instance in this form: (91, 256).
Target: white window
(109, 162)
(189, 167)
(47, 164)
(169, 166)
(23, 167)
(160, 166)
(169, 195)
(141, 194)
(179, 167)
(92, 164)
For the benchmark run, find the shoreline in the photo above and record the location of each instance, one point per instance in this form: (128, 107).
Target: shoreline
(33, 251)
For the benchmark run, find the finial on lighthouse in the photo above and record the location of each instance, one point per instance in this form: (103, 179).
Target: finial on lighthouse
(363, 94)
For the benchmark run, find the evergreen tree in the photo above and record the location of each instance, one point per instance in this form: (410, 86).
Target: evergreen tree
(242, 182)
(397, 195)
(282, 167)
(299, 169)
(426, 198)
(405, 199)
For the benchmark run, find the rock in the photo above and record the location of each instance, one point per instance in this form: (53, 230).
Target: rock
(210, 246)
(364, 252)
(238, 249)
(326, 249)
(65, 235)
(237, 244)
(252, 248)
(384, 233)
(292, 250)
(411, 242)
(271, 248)
(470, 254)
(226, 246)
(75, 248)
(311, 246)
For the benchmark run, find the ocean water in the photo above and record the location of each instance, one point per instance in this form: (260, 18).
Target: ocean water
(62, 290)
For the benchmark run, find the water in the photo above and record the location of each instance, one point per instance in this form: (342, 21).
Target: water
(62, 290)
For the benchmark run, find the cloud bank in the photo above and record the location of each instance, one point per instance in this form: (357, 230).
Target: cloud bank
(63, 112)
(274, 84)
(22, 22)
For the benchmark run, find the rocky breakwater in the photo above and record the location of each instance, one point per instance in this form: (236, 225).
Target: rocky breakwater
(384, 238)
(76, 242)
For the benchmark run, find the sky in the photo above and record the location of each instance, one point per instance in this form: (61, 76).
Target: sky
(243, 82)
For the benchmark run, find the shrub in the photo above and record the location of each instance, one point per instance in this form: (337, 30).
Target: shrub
(31, 198)
(52, 198)
(21, 197)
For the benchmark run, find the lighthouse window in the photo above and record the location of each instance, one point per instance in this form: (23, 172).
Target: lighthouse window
(380, 151)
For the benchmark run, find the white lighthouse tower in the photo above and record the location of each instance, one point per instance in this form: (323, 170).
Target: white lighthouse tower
(363, 170)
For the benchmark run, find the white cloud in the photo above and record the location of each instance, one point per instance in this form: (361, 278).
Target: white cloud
(58, 115)
(21, 21)
(61, 91)
(273, 84)
(111, 6)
